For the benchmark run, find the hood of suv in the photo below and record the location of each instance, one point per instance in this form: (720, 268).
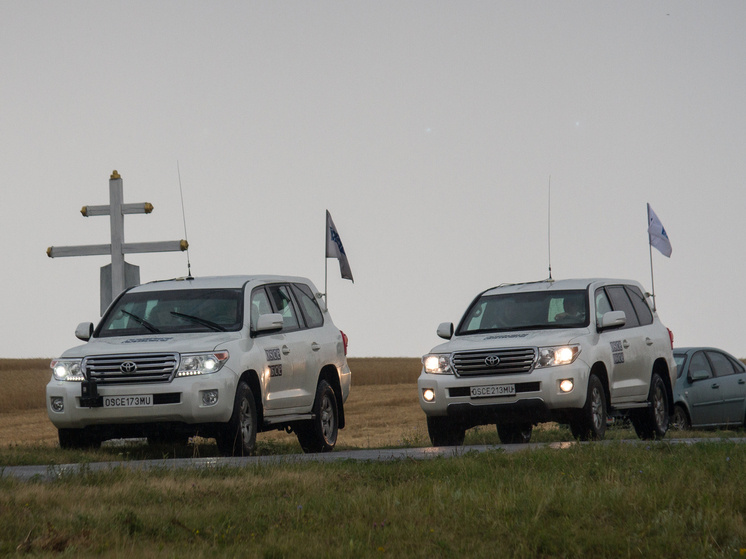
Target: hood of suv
(153, 343)
(496, 340)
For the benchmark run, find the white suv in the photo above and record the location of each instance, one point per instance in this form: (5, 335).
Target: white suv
(221, 357)
(571, 351)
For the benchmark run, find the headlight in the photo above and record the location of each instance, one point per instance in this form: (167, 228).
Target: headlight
(67, 369)
(201, 363)
(560, 355)
(438, 364)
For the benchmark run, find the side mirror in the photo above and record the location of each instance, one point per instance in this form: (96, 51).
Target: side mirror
(445, 330)
(84, 331)
(698, 375)
(613, 319)
(269, 322)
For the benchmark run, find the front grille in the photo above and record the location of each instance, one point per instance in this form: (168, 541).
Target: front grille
(140, 368)
(510, 361)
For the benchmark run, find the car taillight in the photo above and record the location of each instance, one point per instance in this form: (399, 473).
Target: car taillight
(670, 335)
(344, 340)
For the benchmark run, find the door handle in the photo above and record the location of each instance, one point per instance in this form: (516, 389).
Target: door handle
(315, 346)
(625, 343)
(285, 350)
(715, 385)
(648, 341)
(741, 381)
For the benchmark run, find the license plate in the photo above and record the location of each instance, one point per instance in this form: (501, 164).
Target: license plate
(128, 401)
(492, 390)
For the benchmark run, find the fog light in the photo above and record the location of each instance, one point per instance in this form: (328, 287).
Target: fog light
(566, 385)
(428, 395)
(58, 404)
(209, 397)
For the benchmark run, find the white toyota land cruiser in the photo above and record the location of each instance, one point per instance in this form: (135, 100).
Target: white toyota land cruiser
(221, 357)
(571, 351)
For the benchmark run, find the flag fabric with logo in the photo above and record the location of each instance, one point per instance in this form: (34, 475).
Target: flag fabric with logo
(334, 248)
(658, 236)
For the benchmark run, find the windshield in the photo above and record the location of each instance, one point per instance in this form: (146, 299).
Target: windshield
(526, 311)
(172, 312)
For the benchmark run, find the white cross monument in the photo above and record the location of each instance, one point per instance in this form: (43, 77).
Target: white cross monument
(119, 275)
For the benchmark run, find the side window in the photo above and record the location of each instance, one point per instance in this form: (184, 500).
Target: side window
(620, 301)
(700, 364)
(679, 358)
(739, 367)
(722, 365)
(259, 305)
(602, 305)
(641, 306)
(283, 304)
(308, 306)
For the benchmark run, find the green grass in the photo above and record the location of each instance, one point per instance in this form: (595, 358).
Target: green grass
(594, 500)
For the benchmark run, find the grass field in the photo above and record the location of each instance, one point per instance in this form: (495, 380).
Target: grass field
(587, 500)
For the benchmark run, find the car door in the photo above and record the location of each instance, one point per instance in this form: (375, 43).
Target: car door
(702, 390)
(276, 370)
(732, 387)
(295, 347)
(630, 379)
(321, 347)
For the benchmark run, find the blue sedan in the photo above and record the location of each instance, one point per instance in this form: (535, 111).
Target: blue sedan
(710, 390)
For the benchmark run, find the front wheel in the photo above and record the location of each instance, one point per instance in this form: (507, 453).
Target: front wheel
(320, 434)
(515, 433)
(590, 421)
(238, 436)
(652, 423)
(445, 432)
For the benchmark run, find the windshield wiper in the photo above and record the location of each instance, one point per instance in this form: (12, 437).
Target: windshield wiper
(142, 321)
(201, 321)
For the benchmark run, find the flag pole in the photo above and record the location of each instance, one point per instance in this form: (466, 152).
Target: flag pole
(650, 246)
(652, 278)
(326, 264)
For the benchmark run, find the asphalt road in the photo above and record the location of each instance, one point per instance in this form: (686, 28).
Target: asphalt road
(49, 473)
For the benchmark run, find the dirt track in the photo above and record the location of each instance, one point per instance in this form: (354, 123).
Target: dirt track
(376, 416)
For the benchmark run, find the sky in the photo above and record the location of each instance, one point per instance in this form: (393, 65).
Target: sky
(457, 145)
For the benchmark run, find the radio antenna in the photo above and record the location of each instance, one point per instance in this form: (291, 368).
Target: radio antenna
(183, 216)
(549, 226)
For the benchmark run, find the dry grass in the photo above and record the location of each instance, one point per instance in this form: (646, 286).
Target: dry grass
(24, 382)
(383, 408)
(384, 370)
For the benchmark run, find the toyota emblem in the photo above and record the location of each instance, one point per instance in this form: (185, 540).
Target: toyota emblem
(128, 367)
(492, 361)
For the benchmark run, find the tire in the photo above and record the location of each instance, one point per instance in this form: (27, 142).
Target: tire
(515, 433)
(77, 439)
(679, 419)
(238, 436)
(445, 432)
(320, 434)
(590, 421)
(652, 423)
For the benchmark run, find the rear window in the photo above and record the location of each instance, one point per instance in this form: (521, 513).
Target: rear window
(172, 312)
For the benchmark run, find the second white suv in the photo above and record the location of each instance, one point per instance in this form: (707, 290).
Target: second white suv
(221, 357)
(571, 351)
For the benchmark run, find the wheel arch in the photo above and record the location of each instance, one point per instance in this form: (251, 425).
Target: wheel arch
(599, 369)
(661, 367)
(329, 374)
(251, 378)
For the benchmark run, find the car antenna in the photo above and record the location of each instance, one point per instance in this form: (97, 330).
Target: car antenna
(183, 216)
(549, 227)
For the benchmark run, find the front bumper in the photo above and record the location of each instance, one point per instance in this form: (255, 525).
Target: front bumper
(537, 395)
(178, 401)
